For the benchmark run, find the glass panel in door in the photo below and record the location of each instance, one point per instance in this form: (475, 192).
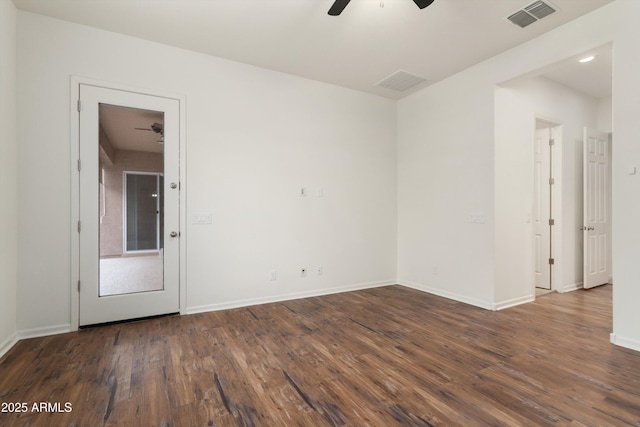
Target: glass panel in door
(131, 213)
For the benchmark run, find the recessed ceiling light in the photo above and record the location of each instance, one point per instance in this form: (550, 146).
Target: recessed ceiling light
(587, 59)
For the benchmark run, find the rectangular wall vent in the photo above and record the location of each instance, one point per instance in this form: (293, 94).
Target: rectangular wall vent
(531, 13)
(400, 81)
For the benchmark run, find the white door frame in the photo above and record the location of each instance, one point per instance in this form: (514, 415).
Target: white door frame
(556, 127)
(75, 82)
(542, 208)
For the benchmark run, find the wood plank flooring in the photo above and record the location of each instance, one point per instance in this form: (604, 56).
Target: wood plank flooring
(380, 357)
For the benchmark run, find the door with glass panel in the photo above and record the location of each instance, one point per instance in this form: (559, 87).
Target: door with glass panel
(129, 205)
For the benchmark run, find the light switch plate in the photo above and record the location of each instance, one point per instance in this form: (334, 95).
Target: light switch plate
(202, 218)
(476, 218)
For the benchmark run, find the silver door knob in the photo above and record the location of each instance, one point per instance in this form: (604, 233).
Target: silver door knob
(173, 234)
(590, 228)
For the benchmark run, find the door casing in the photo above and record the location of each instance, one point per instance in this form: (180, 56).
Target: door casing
(541, 208)
(555, 168)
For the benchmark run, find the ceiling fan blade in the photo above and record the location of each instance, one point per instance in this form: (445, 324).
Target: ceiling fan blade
(423, 3)
(338, 7)
(143, 129)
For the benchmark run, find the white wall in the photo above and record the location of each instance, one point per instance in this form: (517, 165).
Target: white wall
(448, 168)
(517, 105)
(605, 106)
(445, 173)
(626, 188)
(605, 124)
(8, 177)
(254, 137)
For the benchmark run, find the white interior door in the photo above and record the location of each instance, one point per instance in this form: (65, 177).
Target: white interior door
(142, 295)
(541, 209)
(595, 212)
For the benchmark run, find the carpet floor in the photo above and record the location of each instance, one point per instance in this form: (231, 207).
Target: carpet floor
(128, 275)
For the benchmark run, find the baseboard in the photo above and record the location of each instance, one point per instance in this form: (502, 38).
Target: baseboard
(625, 342)
(450, 295)
(285, 297)
(513, 302)
(8, 344)
(572, 287)
(43, 332)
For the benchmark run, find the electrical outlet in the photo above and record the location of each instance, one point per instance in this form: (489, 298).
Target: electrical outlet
(273, 275)
(319, 270)
(303, 272)
(303, 191)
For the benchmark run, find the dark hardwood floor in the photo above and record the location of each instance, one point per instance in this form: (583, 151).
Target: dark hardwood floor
(380, 357)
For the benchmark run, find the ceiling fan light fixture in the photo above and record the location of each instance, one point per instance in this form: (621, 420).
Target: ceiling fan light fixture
(338, 5)
(423, 3)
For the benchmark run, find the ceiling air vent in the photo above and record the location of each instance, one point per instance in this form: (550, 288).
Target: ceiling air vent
(522, 18)
(532, 13)
(400, 81)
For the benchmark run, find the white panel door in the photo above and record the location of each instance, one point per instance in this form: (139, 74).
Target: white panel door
(98, 305)
(541, 209)
(596, 215)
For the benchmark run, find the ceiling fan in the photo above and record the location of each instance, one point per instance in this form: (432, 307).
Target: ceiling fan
(157, 128)
(339, 5)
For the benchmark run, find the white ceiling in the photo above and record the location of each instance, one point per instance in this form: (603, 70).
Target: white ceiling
(593, 78)
(364, 45)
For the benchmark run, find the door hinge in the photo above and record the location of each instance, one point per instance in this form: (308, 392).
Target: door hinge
(79, 165)
(552, 141)
(551, 261)
(552, 221)
(552, 181)
(79, 105)
(78, 226)
(78, 285)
